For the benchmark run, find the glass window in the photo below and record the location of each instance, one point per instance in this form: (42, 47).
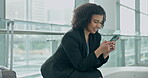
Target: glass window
(129, 3)
(127, 21)
(91, 1)
(30, 51)
(143, 24)
(16, 9)
(144, 50)
(144, 6)
(51, 11)
(129, 51)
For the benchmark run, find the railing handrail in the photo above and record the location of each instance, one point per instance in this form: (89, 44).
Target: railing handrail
(37, 32)
(33, 32)
(41, 32)
(34, 22)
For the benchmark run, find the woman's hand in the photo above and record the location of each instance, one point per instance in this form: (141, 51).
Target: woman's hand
(105, 47)
(111, 46)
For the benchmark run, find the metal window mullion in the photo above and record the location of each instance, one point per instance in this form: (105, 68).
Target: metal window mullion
(123, 52)
(28, 26)
(79, 2)
(118, 15)
(137, 17)
(119, 49)
(137, 50)
(11, 45)
(127, 7)
(137, 31)
(3, 54)
(7, 44)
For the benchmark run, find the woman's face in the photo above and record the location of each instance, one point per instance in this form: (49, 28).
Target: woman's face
(95, 23)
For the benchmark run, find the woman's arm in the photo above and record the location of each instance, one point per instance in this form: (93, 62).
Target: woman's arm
(72, 49)
(106, 49)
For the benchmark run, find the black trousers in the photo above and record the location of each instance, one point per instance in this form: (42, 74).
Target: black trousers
(86, 74)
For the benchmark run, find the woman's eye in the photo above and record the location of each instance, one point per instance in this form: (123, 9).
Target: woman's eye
(95, 22)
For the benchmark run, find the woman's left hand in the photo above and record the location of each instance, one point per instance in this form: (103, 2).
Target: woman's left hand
(112, 47)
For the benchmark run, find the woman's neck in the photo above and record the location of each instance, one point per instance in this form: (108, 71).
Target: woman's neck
(86, 33)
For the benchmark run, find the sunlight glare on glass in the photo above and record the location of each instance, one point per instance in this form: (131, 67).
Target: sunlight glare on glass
(129, 3)
(60, 11)
(144, 6)
(127, 21)
(143, 24)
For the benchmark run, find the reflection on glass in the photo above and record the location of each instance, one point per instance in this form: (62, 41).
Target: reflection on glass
(16, 9)
(51, 11)
(144, 50)
(129, 3)
(40, 26)
(129, 51)
(127, 21)
(144, 6)
(59, 11)
(143, 24)
(30, 51)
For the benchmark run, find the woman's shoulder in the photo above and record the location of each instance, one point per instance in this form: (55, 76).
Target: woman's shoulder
(74, 34)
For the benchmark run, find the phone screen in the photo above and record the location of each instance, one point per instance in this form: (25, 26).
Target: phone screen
(115, 38)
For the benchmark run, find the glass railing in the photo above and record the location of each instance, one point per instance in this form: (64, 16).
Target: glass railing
(130, 51)
(30, 51)
(33, 45)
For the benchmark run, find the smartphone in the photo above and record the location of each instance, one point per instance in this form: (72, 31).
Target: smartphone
(115, 38)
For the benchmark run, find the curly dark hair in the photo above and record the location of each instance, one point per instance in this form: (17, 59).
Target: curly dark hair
(82, 15)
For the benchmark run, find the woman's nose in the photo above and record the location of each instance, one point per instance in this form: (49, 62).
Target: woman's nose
(99, 26)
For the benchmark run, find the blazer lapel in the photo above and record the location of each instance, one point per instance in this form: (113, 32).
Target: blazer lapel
(91, 43)
(84, 52)
(94, 42)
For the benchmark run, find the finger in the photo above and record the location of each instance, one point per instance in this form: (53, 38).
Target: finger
(113, 42)
(104, 41)
(113, 47)
(109, 47)
(108, 42)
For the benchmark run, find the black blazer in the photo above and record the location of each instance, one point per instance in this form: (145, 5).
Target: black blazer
(72, 55)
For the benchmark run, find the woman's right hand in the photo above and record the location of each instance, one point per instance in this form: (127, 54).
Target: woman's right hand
(104, 47)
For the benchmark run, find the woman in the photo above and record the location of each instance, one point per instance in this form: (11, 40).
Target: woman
(80, 52)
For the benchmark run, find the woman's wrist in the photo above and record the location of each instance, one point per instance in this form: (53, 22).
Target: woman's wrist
(98, 52)
(105, 55)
